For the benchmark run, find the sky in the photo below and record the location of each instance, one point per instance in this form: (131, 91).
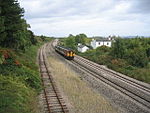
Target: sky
(60, 18)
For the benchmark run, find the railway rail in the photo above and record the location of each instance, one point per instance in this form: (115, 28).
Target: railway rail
(53, 99)
(139, 92)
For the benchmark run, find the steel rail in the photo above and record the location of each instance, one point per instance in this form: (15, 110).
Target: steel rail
(56, 105)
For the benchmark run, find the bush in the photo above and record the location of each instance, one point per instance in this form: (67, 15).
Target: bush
(15, 96)
(137, 57)
(104, 59)
(30, 77)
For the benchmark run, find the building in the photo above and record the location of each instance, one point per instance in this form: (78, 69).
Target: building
(101, 42)
(82, 48)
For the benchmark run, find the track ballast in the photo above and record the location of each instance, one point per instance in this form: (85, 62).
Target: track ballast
(52, 97)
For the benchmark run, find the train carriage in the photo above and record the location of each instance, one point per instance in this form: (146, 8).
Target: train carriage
(66, 52)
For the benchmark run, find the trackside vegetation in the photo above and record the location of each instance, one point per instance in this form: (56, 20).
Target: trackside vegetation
(20, 81)
(130, 56)
(19, 74)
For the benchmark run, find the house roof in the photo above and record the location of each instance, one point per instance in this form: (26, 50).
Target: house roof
(102, 39)
(81, 46)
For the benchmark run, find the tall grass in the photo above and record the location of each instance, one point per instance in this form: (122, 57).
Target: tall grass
(82, 98)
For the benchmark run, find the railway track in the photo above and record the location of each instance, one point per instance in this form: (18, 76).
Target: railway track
(139, 92)
(133, 90)
(52, 97)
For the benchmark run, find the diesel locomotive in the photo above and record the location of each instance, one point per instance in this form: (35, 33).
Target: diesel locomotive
(66, 52)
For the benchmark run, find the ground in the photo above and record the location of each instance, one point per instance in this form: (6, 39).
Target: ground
(79, 96)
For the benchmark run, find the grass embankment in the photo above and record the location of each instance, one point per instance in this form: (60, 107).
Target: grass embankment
(141, 74)
(19, 80)
(119, 65)
(79, 94)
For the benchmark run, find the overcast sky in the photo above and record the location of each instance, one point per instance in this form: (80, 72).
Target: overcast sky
(92, 17)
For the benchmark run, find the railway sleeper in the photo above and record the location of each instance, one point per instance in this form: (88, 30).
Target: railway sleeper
(53, 105)
(56, 102)
(45, 75)
(59, 110)
(58, 107)
(54, 97)
(51, 91)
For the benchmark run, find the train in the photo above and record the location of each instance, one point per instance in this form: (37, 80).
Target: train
(66, 52)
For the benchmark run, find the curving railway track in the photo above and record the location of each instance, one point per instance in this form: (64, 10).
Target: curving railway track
(52, 97)
(135, 91)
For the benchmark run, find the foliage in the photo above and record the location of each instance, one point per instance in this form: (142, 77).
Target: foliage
(32, 38)
(118, 49)
(14, 31)
(19, 79)
(128, 56)
(80, 39)
(30, 77)
(15, 96)
(2, 28)
(137, 57)
(23, 80)
(41, 39)
(72, 41)
(102, 50)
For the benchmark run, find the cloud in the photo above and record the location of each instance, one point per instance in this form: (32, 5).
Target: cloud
(140, 6)
(57, 8)
(93, 17)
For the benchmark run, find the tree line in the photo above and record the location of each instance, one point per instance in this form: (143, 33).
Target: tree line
(72, 41)
(14, 31)
(135, 51)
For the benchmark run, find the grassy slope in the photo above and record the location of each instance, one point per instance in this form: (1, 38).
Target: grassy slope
(19, 85)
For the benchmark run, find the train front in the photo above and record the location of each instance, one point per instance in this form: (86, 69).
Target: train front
(70, 54)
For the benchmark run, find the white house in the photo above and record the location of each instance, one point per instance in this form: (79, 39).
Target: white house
(82, 48)
(101, 42)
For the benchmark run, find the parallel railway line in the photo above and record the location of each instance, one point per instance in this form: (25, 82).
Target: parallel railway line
(134, 82)
(138, 92)
(135, 90)
(52, 97)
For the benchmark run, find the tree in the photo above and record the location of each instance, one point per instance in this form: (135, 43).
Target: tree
(118, 49)
(32, 37)
(148, 52)
(2, 30)
(13, 25)
(80, 38)
(70, 42)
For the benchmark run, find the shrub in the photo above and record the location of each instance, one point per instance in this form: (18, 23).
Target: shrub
(30, 77)
(15, 96)
(119, 63)
(137, 57)
(104, 59)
